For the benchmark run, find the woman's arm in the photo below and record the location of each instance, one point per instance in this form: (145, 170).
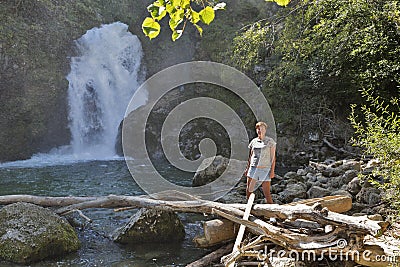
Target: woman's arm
(248, 162)
(272, 172)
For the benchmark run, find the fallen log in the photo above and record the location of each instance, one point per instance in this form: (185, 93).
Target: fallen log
(215, 232)
(337, 203)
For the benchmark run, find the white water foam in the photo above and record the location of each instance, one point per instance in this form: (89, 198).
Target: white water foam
(101, 83)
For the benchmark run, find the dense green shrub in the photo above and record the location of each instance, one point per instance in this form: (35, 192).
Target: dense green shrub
(329, 49)
(378, 132)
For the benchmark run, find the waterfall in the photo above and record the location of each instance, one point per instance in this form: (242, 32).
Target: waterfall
(103, 78)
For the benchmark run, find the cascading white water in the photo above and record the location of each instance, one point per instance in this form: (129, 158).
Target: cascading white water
(102, 80)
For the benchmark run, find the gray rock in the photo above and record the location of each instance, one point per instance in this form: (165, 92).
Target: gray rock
(374, 199)
(335, 182)
(336, 164)
(354, 186)
(340, 167)
(341, 193)
(311, 177)
(322, 179)
(317, 191)
(212, 168)
(309, 184)
(368, 195)
(293, 191)
(329, 161)
(330, 172)
(358, 207)
(29, 233)
(151, 226)
(301, 172)
(216, 166)
(348, 176)
(291, 175)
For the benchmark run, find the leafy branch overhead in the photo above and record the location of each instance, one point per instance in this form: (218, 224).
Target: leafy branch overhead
(180, 12)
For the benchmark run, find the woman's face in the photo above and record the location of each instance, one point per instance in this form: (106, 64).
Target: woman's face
(261, 131)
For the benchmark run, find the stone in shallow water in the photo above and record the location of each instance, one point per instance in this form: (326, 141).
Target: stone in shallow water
(151, 226)
(30, 233)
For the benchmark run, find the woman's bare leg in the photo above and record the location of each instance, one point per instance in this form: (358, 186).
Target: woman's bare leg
(250, 186)
(266, 187)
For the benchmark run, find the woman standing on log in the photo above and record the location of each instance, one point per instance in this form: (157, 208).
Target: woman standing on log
(261, 162)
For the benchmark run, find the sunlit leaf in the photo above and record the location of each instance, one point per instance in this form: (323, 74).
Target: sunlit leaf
(157, 11)
(195, 17)
(150, 27)
(280, 2)
(173, 24)
(177, 15)
(176, 34)
(185, 3)
(170, 8)
(207, 15)
(199, 29)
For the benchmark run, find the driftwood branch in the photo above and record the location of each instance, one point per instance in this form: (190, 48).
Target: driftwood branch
(329, 144)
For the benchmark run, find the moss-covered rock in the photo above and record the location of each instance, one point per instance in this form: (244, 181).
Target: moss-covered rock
(30, 233)
(151, 226)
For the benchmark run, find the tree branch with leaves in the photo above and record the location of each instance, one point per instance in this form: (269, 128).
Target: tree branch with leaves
(181, 12)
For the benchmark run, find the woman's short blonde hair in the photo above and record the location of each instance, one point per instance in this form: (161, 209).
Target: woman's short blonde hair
(261, 123)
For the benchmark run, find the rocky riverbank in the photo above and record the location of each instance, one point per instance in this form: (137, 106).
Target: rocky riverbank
(318, 179)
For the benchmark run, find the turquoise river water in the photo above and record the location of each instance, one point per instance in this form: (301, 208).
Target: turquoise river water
(99, 178)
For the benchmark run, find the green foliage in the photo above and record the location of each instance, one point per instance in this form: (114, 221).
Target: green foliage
(252, 46)
(182, 11)
(151, 28)
(378, 132)
(329, 49)
(179, 12)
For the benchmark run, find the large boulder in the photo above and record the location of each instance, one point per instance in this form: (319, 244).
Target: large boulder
(151, 226)
(216, 166)
(369, 195)
(354, 186)
(212, 168)
(30, 233)
(317, 191)
(293, 191)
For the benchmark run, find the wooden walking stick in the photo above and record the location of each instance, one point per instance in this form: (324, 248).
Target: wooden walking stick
(242, 228)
